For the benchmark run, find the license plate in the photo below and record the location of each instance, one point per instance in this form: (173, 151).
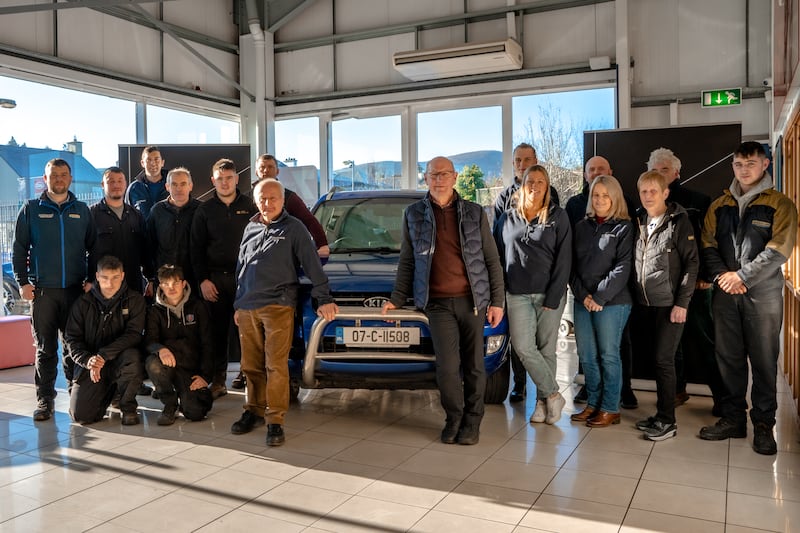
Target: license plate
(377, 336)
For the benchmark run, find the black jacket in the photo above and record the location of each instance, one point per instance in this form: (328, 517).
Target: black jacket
(696, 205)
(185, 330)
(168, 229)
(104, 326)
(602, 261)
(125, 239)
(216, 234)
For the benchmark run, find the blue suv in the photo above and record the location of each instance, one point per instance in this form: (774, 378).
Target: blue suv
(361, 349)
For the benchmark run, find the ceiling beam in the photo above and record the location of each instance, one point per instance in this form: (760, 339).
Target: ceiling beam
(440, 22)
(30, 8)
(200, 57)
(296, 10)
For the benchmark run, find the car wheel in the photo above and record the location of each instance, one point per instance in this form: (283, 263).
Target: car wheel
(497, 384)
(564, 328)
(11, 299)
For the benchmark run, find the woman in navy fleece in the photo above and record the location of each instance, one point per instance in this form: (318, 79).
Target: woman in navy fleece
(535, 244)
(601, 268)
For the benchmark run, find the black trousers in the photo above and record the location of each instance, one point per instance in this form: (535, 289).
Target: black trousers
(457, 335)
(697, 346)
(653, 323)
(89, 401)
(747, 327)
(49, 313)
(224, 331)
(173, 387)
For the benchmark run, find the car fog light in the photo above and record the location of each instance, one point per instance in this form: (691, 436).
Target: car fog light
(494, 343)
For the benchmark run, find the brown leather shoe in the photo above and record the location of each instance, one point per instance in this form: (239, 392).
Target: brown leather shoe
(603, 419)
(584, 415)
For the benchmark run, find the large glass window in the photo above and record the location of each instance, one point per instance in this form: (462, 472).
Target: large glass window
(170, 126)
(472, 139)
(554, 124)
(366, 153)
(297, 151)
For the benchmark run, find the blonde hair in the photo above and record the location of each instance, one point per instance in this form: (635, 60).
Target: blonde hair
(619, 208)
(653, 176)
(522, 193)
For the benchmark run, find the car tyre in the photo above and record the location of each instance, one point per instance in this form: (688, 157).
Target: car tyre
(497, 384)
(564, 328)
(11, 299)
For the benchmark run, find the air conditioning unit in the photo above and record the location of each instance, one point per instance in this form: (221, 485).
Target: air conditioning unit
(464, 60)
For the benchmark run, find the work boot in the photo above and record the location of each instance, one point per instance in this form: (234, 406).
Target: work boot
(44, 410)
(275, 435)
(167, 417)
(724, 429)
(239, 381)
(246, 423)
(763, 440)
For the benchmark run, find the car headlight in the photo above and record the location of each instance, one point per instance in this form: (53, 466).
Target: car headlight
(494, 343)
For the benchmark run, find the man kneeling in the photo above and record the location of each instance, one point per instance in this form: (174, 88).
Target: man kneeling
(178, 342)
(103, 335)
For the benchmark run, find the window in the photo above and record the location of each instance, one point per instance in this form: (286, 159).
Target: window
(170, 126)
(366, 153)
(554, 124)
(472, 139)
(297, 151)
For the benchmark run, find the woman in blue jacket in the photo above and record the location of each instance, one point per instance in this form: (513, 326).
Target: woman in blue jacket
(535, 244)
(603, 248)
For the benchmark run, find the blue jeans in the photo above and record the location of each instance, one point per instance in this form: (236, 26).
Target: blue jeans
(597, 337)
(534, 334)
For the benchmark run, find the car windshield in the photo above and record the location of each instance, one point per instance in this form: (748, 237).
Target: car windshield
(371, 225)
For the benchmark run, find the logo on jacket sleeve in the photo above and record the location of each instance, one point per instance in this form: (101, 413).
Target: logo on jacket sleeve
(190, 318)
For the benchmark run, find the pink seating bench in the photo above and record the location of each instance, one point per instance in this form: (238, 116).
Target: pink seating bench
(16, 341)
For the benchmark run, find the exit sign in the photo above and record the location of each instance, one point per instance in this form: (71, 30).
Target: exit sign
(721, 97)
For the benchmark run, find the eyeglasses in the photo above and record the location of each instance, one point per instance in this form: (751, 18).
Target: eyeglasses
(443, 175)
(750, 164)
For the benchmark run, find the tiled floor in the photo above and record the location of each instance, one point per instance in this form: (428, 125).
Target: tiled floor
(371, 461)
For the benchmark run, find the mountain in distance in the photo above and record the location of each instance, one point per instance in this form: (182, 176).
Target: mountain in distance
(489, 161)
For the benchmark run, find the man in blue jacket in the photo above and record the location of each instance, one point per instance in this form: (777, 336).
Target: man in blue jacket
(52, 237)
(274, 244)
(449, 262)
(149, 186)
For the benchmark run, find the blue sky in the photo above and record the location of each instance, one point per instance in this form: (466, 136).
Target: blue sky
(50, 116)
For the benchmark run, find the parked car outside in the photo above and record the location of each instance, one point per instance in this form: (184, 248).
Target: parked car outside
(13, 304)
(361, 349)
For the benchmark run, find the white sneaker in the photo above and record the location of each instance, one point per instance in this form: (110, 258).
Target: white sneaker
(540, 412)
(554, 407)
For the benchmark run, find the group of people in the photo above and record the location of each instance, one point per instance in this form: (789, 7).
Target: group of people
(152, 283)
(233, 261)
(668, 266)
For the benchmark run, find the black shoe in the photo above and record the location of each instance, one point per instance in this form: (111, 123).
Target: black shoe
(130, 419)
(681, 398)
(763, 440)
(246, 424)
(144, 390)
(645, 424)
(44, 410)
(628, 399)
(167, 417)
(155, 394)
(517, 394)
(450, 432)
(582, 395)
(239, 382)
(468, 434)
(275, 436)
(724, 429)
(660, 431)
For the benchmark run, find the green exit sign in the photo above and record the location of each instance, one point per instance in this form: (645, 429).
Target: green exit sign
(721, 97)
